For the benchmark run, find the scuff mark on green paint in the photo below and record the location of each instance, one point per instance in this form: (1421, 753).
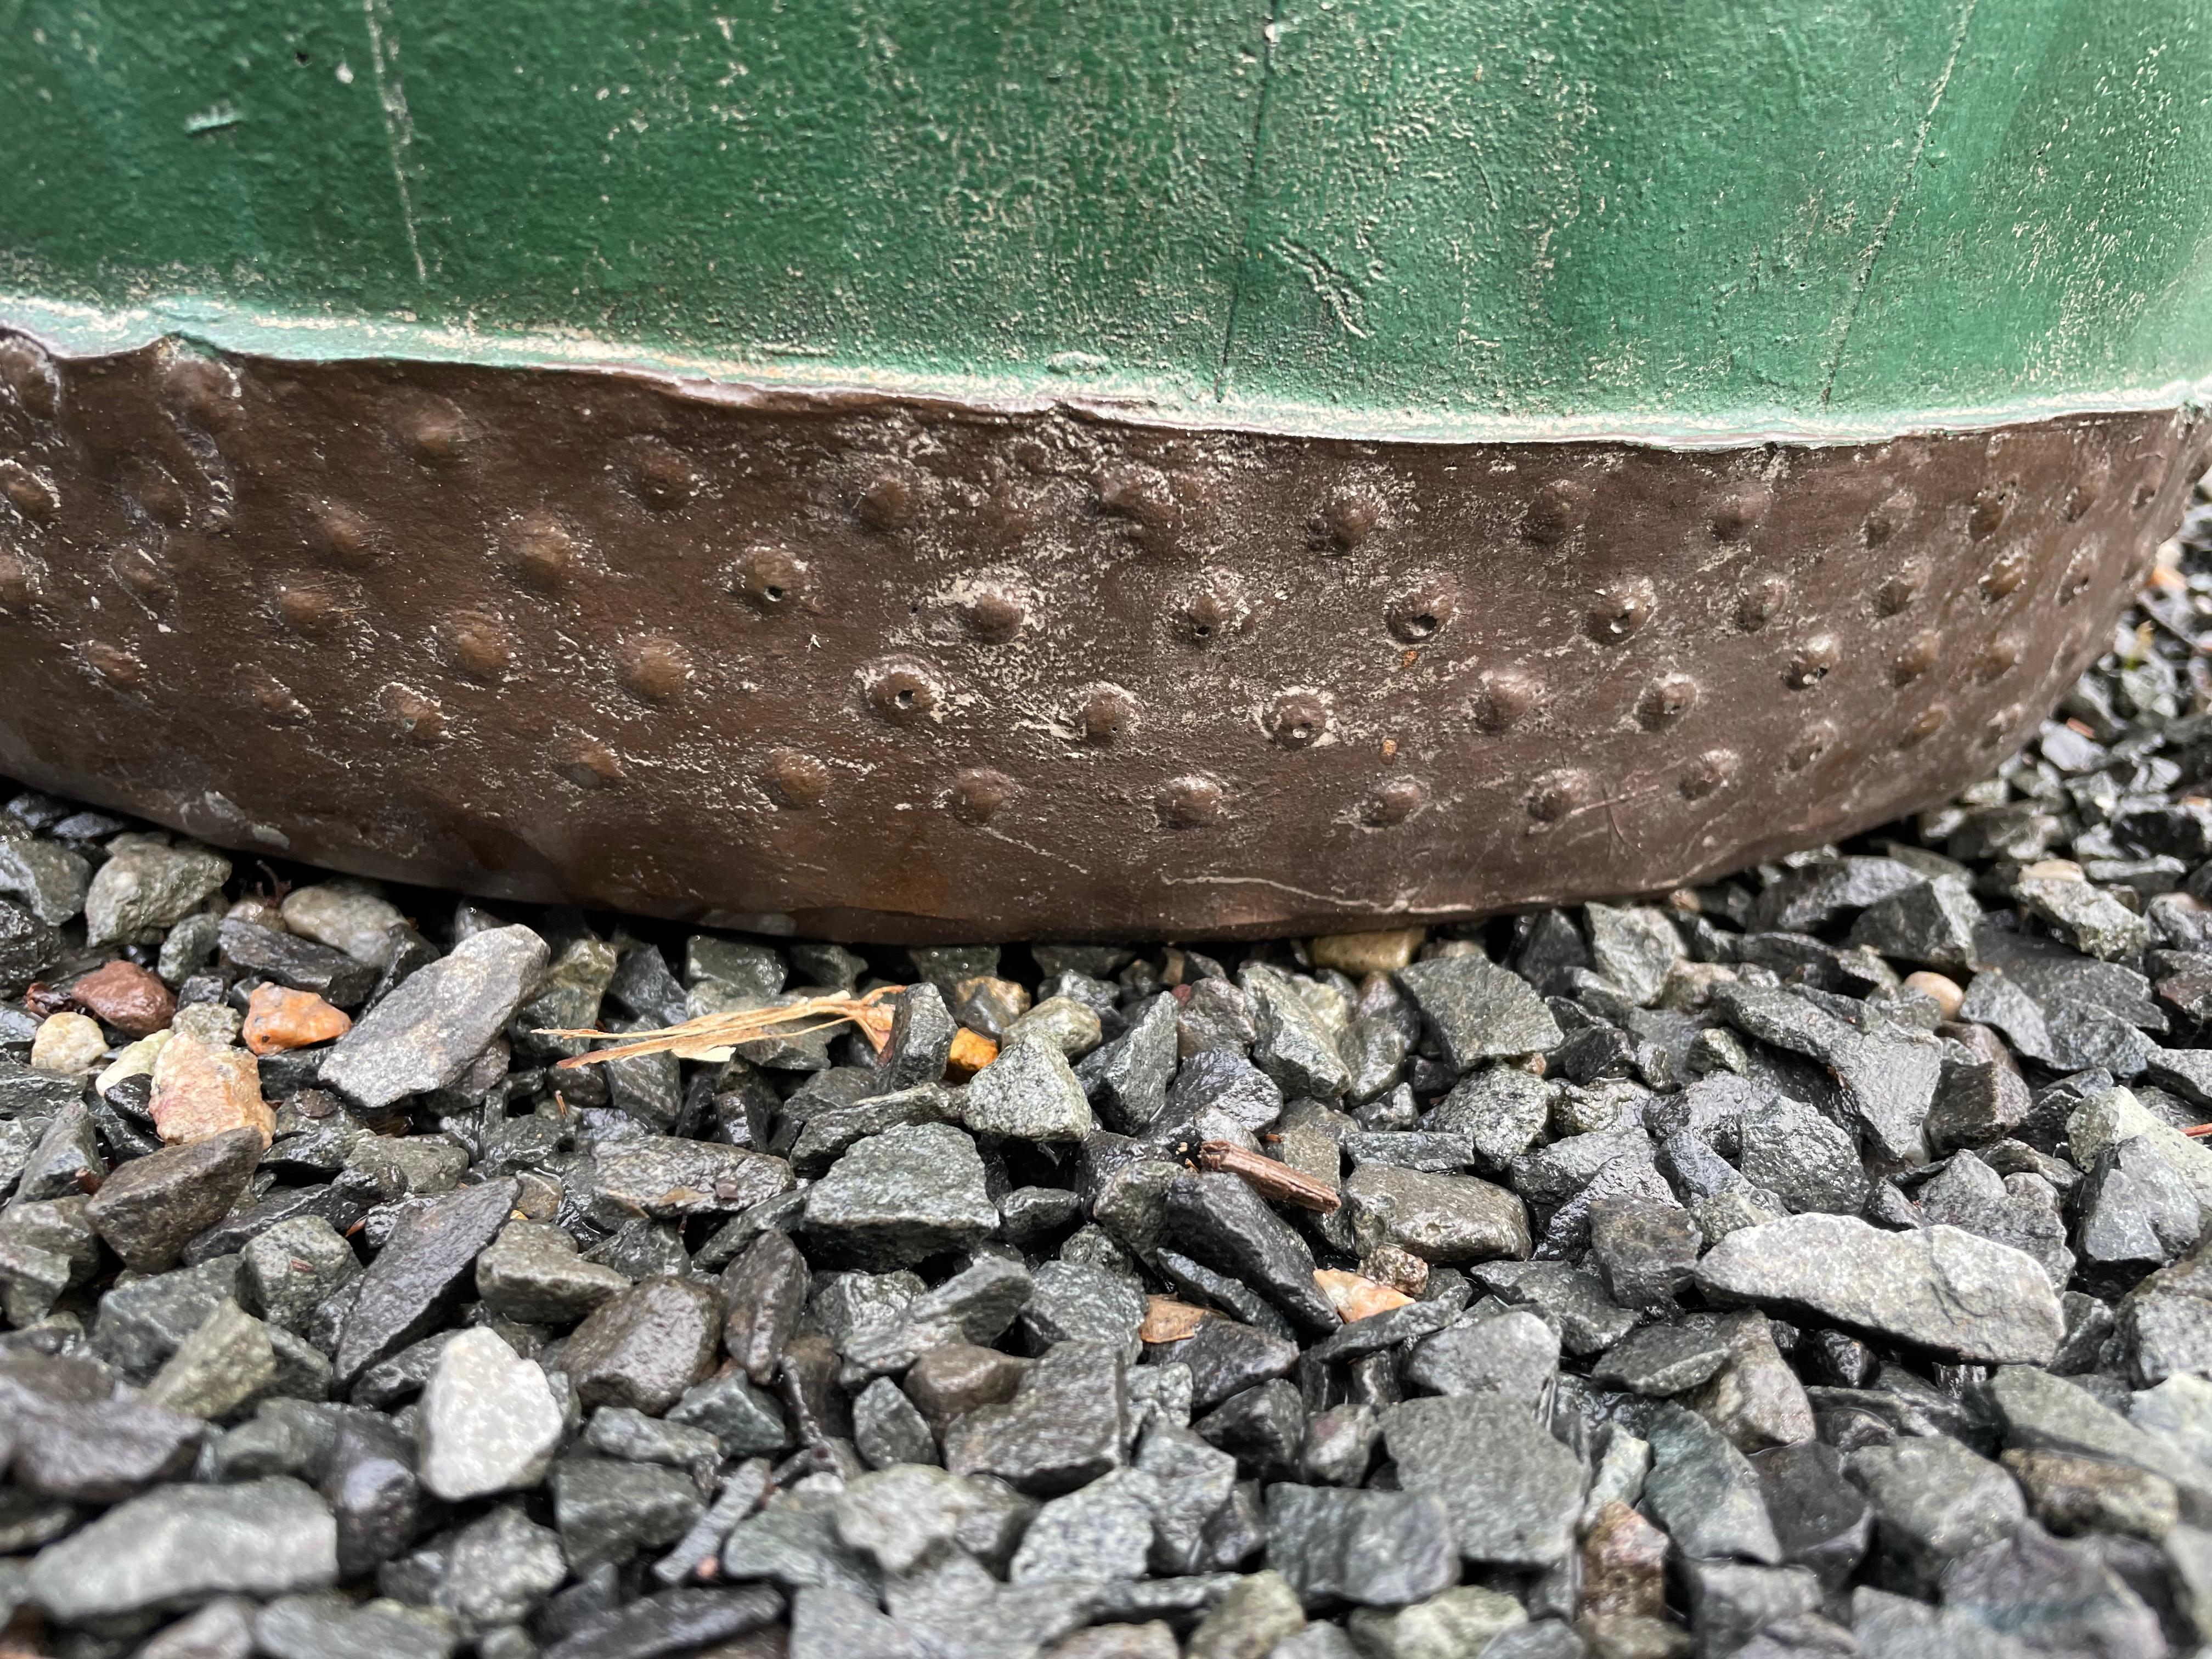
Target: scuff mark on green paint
(212, 119)
(398, 124)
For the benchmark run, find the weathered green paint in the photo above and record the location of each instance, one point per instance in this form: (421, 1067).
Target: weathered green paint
(1455, 217)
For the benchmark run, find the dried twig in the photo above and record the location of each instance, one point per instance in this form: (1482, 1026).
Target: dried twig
(712, 1036)
(1269, 1177)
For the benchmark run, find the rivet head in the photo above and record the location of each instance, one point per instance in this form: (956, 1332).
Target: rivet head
(162, 496)
(1192, 802)
(1738, 509)
(31, 493)
(992, 612)
(773, 580)
(1008, 513)
(977, 794)
(1809, 744)
(887, 499)
(431, 428)
(903, 692)
(2081, 571)
(1102, 714)
(1135, 491)
(1557, 510)
(142, 575)
(1351, 513)
(544, 552)
(204, 390)
(1812, 661)
(413, 716)
(1297, 719)
(1665, 700)
(586, 763)
(1619, 612)
(275, 700)
(1987, 512)
(1906, 582)
(1917, 656)
(2150, 478)
(1422, 610)
(1892, 515)
(2000, 728)
(1393, 801)
(2081, 495)
(1560, 794)
(347, 534)
(653, 666)
(1713, 770)
(118, 667)
(1502, 696)
(795, 780)
(477, 642)
(1212, 609)
(1998, 658)
(306, 606)
(2006, 573)
(19, 583)
(29, 372)
(1923, 726)
(1759, 601)
(662, 475)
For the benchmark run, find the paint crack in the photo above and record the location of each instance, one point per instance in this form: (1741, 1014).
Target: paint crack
(1251, 206)
(1911, 168)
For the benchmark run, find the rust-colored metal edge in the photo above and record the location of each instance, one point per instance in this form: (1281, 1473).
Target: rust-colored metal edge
(884, 670)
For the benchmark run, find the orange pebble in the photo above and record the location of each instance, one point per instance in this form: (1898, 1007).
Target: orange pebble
(1355, 1297)
(971, 1051)
(276, 1019)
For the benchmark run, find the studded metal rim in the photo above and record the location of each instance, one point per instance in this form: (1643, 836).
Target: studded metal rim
(885, 671)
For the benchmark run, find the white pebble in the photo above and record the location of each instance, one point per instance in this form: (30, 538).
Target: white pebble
(489, 1420)
(68, 1044)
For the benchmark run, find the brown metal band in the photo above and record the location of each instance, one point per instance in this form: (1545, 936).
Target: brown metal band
(884, 670)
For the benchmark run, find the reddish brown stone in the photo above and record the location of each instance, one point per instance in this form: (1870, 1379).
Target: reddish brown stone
(1624, 1565)
(278, 1019)
(44, 1000)
(200, 1090)
(124, 995)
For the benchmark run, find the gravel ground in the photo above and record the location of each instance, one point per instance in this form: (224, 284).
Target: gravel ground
(1805, 1265)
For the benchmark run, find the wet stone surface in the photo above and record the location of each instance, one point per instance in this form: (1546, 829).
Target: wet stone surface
(1811, 1263)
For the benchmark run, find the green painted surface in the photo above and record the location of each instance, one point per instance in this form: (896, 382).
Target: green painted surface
(1444, 216)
